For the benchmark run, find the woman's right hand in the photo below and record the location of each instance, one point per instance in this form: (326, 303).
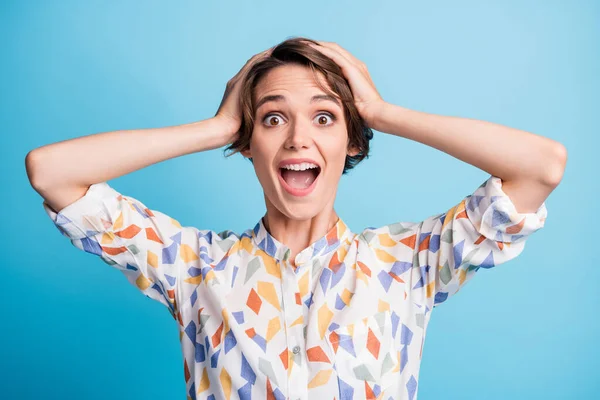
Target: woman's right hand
(230, 112)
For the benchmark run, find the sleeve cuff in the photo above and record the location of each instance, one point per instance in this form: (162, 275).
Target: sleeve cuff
(82, 218)
(496, 217)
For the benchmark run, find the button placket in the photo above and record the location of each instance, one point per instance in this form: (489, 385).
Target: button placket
(295, 336)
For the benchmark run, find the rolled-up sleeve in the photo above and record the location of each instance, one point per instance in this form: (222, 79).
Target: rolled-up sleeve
(482, 231)
(143, 244)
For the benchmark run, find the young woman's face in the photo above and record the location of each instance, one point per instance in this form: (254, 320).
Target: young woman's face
(295, 125)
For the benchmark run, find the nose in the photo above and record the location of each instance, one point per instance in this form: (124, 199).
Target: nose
(299, 134)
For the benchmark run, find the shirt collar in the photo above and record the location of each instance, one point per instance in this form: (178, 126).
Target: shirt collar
(336, 236)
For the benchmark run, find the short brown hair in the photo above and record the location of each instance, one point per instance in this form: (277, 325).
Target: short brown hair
(294, 51)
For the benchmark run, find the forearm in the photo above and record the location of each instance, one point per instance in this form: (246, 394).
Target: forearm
(501, 151)
(100, 157)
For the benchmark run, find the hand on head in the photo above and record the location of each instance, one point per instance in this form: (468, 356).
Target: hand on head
(229, 111)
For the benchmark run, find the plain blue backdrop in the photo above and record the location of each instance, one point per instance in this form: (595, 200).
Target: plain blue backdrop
(74, 328)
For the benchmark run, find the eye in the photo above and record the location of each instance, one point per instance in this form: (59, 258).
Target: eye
(320, 118)
(272, 119)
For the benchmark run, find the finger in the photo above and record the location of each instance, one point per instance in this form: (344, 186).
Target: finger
(358, 63)
(345, 53)
(258, 56)
(264, 53)
(347, 66)
(350, 70)
(328, 45)
(252, 60)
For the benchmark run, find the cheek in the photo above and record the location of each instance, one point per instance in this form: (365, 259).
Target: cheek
(263, 160)
(337, 151)
(257, 144)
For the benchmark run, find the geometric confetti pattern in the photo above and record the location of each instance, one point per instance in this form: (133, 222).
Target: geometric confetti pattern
(346, 320)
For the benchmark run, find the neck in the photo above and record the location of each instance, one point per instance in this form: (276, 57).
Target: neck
(299, 233)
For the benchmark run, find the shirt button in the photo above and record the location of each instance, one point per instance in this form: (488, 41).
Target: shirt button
(296, 349)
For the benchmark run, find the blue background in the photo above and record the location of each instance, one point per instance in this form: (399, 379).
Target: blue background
(73, 328)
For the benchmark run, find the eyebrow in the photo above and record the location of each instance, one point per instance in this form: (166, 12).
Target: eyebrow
(314, 99)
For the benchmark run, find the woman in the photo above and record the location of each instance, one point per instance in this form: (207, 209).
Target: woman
(300, 306)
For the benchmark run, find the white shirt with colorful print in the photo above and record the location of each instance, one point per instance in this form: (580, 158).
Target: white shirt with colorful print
(348, 322)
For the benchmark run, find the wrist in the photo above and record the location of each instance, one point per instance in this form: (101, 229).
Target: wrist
(387, 118)
(375, 115)
(209, 134)
(228, 126)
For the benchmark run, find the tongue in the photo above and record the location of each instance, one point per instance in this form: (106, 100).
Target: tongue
(298, 179)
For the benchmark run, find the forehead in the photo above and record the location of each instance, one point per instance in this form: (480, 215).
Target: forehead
(290, 78)
(291, 84)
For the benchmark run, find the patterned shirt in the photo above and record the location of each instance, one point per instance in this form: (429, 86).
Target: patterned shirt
(348, 322)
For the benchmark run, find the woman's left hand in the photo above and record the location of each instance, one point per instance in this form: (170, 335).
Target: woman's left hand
(368, 101)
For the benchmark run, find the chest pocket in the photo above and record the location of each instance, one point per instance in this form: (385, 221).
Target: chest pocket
(365, 351)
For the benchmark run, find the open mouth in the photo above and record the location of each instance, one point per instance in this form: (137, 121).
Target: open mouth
(299, 179)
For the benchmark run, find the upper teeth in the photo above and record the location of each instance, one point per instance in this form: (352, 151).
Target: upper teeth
(300, 167)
